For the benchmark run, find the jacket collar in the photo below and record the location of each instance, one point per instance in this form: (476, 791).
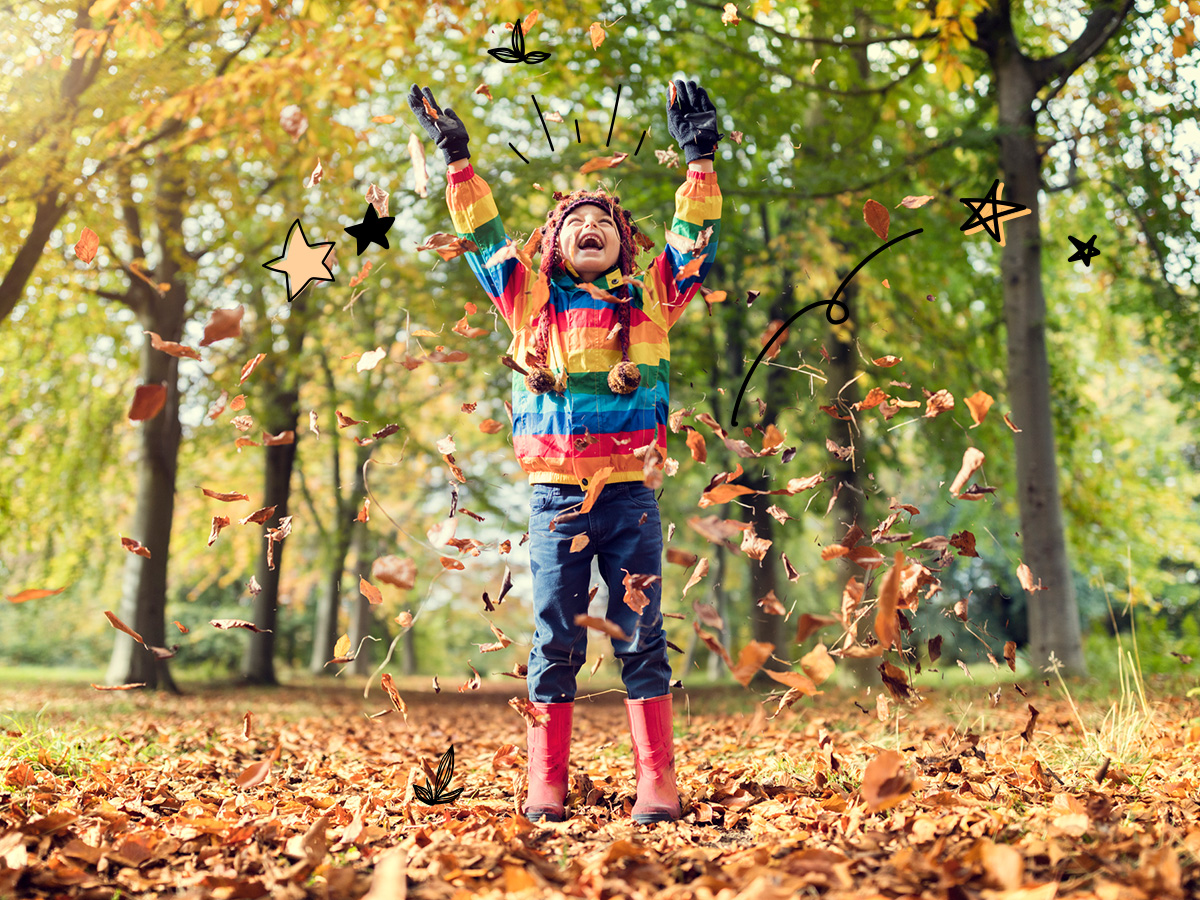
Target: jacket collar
(568, 277)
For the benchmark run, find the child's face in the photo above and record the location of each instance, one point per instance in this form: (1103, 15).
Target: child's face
(584, 227)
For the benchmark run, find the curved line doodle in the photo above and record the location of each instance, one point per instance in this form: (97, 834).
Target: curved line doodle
(830, 303)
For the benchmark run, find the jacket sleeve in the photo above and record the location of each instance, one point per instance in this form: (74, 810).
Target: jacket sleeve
(697, 206)
(475, 217)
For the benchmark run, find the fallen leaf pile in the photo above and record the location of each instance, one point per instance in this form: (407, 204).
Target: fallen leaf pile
(182, 798)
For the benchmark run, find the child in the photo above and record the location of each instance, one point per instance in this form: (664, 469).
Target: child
(592, 401)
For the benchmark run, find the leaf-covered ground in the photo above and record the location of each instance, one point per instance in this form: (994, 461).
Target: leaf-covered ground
(109, 796)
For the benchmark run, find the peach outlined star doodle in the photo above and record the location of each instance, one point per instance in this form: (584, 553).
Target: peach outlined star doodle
(993, 223)
(302, 263)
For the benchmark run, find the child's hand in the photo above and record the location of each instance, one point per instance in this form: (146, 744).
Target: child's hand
(444, 127)
(692, 121)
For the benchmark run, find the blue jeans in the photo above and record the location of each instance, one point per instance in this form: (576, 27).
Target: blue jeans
(560, 588)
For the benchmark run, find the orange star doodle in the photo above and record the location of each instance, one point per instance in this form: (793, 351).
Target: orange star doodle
(993, 222)
(302, 263)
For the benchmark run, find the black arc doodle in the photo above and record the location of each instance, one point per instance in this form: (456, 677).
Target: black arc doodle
(1084, 250)
(830, 304)
(517, 53)
(439, 794)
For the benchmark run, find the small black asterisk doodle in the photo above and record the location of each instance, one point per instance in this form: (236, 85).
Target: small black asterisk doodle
(517, 53)
(445, 773)
(1083, 251)
(993, 223)
(372, 229)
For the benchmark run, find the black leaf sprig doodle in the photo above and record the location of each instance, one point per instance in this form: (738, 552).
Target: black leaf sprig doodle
(517, 53)
(445, 773)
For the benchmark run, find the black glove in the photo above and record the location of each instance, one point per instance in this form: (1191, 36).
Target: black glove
(692, 121)
(447, 131)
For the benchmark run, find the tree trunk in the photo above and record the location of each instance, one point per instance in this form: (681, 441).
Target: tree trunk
(1053, 614)
(144, 584)
(282, 393)
(845, 476)
(363, 619)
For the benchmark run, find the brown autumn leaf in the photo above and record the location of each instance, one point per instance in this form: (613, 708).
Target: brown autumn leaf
(597, 35)
(373, 594)
(935, 648)
(770, 604)
(226, 624)
(938, 403)
(1012, 427)
(148, 401)
(33, 594)
(579, 542)
(218, 523)
(603, 162)
(389, 687)
(612, 629)
(876, 215)
(1025, 576)
(595, 486)
(120, 687)
(87, 245)
(796, 681)
(886, 782)
(886, 628)
(258, 517)
(135, 547)
(729, 15)
(121, 626)
(250, 366)
(448, 246)
(222, 324)
(700, 571)
(484, 90)
(448, 563)
(397, 571)
(915, 202)
(750, 660)
(1010, 654)
(1027, 734)
(978, 405)
(973, 458)
(808, 624)
(529, 712)
(171, 347)
(818, 664)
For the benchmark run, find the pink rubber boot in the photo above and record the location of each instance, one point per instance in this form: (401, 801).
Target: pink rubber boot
(653, 759)
(549, 749)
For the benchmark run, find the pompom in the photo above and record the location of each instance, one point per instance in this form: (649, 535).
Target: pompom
(624, 378)
(539, 380)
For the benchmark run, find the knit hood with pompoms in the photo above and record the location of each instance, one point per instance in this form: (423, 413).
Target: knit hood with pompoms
(632, 240)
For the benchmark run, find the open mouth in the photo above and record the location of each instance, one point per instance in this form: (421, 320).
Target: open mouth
(590, 241)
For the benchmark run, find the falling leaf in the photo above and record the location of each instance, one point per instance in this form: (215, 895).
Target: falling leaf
(817, 663)
(736, 136)
(973, 458)
(1025, 576)
(700, 571)
(1008, 422)
(729, 16)
(222, 324)
(120, 687)
(242, 423)
(389, 686)
(886, 782)
(796, 682)
(226, 624)
(378, 198)
(612, 629)
(813, 69)
(672, 91)
(218, 523)
(87, 245)
(935, 648)
(578, 542)
(1010, 654)
(135, 547)
(1033, 717)
(148, 401)
(887, 362)
(317, 174)
(978, 404)
(597, 34)
(750, 660)
(886, 628)
(373, 594)
(448, 563)
(33, 594)
(251, 366)
(121, 626)
(448, 246)
(936, 404)
(171, 347)
(370, 359)
(876, 215)
(529, 712)
(345, 421)
(603, 162)
(416, 150)
(490, 426)
(484, 90)
(258, 517)
(911, 202)
(293, 121)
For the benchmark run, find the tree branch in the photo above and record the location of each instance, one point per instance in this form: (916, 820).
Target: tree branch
(816, 41)
(1101, 25)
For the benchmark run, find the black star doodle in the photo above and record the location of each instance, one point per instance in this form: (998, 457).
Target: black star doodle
(373, 228)
(992, 223)
(517, 53)
(1084, 252)
(445, 773)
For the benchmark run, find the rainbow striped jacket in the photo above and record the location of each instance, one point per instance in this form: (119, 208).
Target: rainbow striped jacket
(550, 430)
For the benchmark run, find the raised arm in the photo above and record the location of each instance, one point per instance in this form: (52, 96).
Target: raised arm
(473, 211)
(692, 121)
